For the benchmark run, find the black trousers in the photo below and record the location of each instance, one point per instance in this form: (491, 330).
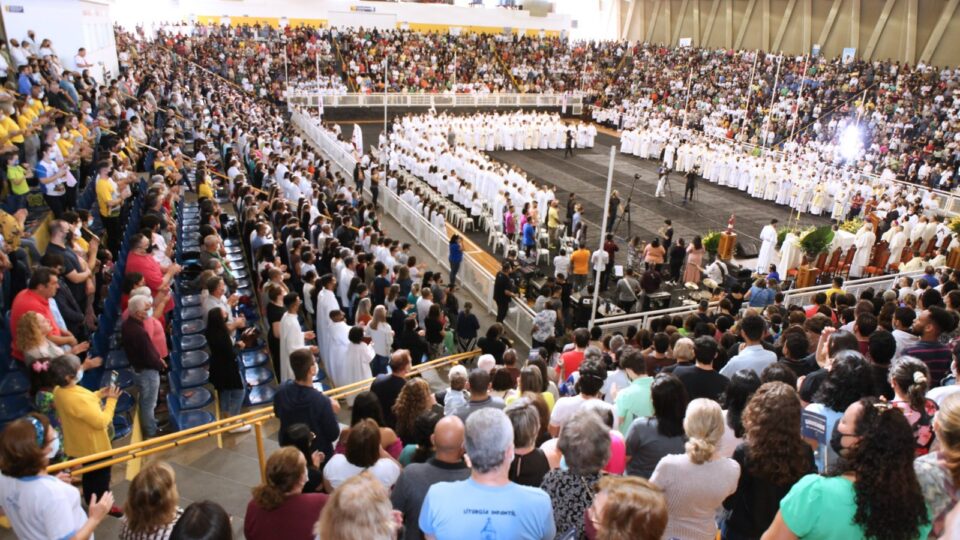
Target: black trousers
(96, 483)
(112, 225)
(56, 205)
(502, 308)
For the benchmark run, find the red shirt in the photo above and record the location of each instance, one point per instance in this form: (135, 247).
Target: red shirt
(296, 517)
(148, 266)
(28, 300)
(571, 362)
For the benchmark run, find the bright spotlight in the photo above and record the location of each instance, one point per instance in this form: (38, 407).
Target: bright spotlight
(850, 143)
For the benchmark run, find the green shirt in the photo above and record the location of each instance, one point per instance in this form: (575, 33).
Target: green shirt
(634, 401)
(822, 508)
(17, 176)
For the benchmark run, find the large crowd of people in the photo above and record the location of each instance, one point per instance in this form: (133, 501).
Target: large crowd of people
(749, 419)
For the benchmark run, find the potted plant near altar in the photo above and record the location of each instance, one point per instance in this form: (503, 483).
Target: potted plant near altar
(815, 241)
(711, 243)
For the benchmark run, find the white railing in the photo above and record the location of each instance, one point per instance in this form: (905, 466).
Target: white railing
(302, 98)
(472, 276)
(795, 297)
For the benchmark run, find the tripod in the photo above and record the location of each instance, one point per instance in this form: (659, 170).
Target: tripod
(626, 211)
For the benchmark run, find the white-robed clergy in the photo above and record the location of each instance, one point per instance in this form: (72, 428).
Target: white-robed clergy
(768, 243)
(338, 365)
(864, 245)
(896, 240)
(326, 302)
(292, 337)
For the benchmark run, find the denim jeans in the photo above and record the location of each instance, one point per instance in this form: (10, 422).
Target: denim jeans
(148, 385)
(231, 401)
(454, 270)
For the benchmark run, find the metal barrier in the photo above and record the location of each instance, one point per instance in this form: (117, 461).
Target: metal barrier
(303, 98)
(473, 276)
(796, 297)
(256, 418)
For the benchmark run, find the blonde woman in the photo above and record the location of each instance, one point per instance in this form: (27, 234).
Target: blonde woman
(362, 316)
(939, 472)
(381, 337)
(32, 330)
(627, 507)
(695, 483)
(359, 508)
(151, 510)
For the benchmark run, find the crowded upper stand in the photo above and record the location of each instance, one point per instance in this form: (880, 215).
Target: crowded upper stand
(838, 419)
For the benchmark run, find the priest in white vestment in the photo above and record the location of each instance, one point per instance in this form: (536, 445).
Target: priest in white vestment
(864, 245)
(768, 243)
(292, 337)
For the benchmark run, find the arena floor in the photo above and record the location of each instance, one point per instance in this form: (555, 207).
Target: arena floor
(585, 174)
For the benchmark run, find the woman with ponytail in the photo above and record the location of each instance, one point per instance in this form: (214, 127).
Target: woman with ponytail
(939, 472)
(696, 483)
(910, 380)
(279, 503)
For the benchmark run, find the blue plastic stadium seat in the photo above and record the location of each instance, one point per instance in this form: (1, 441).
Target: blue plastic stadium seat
(181, 419)
(194, 398)
(124, 402)
(13, 407)
(257, 376)
(194, 359)
(260, 395)
(189, 378)
(14, 382)
(192, 327)
(190, 300)
(189, 313)
(253, 358)
(121, 426)
(191, 342)
(231, 242)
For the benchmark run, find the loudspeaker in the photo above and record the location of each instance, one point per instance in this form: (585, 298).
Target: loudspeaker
(747, 249)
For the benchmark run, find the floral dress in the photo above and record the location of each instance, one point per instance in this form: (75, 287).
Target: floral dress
(922, 423)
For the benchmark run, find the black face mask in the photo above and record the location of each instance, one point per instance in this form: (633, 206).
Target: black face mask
(150, 248)
(836, 443)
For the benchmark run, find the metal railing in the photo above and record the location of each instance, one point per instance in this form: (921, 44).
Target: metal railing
(256, 418)
(473, 276)
(301, 98)
(794, 297)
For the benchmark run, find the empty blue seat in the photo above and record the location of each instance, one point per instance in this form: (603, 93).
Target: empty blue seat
(189, 313)
(194, 398)
(253, 358)
(13, 407)
(190, 300)
(260, 395)
(194, 359)
(124, 402)
(257, 376)
(191, 342)
(116, 359)
(121, 426)
(14, 382)
(189, 378)
(231, 242)
(180, 419)
(192, 326)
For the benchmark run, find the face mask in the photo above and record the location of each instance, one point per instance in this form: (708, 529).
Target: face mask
(90, 223)
(150, 313)
(79, 375)
(220, 270)
(836, 443)
(54, 448)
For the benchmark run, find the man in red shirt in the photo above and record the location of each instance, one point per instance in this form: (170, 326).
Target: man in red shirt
(570, 361)
(42, 287)
(140, 260)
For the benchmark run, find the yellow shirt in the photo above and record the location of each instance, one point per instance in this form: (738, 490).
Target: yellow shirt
(37, 107)
(547, 396)
(84, 422)
(65, 146)
(9, 125)
(553, 218)
(832, 291)
(204, 190)
(107, 191)
(10, 229)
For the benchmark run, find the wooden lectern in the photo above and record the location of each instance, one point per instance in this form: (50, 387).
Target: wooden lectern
(728, 243)
(807, 276)
(953, 259)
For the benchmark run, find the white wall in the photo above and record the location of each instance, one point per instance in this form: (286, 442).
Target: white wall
(337, 12)
(69, 24)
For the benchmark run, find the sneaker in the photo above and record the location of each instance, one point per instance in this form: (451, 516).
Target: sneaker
(116, 511)
(241, 429)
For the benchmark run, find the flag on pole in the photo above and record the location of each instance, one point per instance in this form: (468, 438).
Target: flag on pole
(358, 138)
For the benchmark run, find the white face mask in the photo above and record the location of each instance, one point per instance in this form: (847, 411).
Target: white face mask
(150, 313)
(54, 448)
(79, 375)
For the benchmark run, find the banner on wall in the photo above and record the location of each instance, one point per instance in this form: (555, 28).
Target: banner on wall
(364, 9)
(815, 51)
(848, 54)
(685, 42)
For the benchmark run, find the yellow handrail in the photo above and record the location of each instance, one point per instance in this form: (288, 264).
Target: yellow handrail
(255, 417)
(503, 65)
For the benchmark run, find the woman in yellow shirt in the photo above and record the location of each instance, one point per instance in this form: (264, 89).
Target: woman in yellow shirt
(84, 421)
(204, 189)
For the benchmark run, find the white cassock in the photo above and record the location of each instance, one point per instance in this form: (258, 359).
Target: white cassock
(790, 254)
(864, 244)
(768, 239)
(356, 365)
(291, 339)
(898, 241)
(337, 343)
(326, 302)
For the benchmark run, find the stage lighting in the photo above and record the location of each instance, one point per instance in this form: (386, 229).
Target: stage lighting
(850, 143)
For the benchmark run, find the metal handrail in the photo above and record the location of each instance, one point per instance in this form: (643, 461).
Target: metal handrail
(255, 417)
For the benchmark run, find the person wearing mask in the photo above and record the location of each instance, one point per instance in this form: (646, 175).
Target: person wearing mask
(151, 511)
(479, 385)
(874, 492)
(488, 498)
(298, 402)
(40, 506)
(446, 465)
(696, 482)
(910, 380)
(84, 421)
(141, 261)
(700, 379)
(592, 375)
(931, 323)
(144, 360)
(772, 458)
(75, 270)
(650, 438)
(752, 354)
(41, 288)
(279, 503)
